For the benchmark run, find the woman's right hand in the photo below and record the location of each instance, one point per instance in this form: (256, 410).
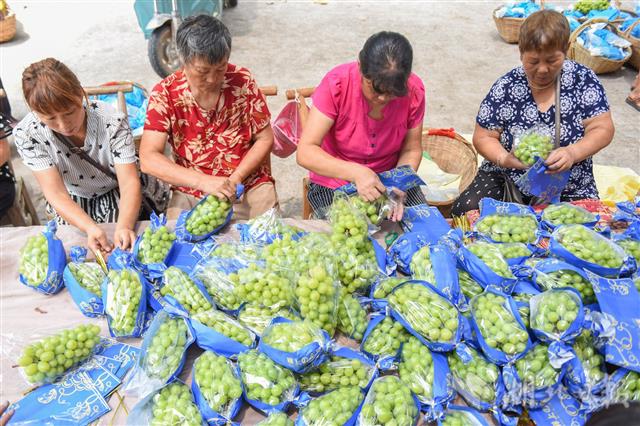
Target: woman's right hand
(368, 183)
(509, 161)
(97, 240)
(220, 187)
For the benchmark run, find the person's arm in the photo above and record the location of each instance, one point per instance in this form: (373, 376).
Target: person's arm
(598, 133)
(487, 143)
(411, 152)
(130, 200)
(154, 162)
(311, 156)
(257, 154)
(5, 415)
(5, 151)
(57, 195)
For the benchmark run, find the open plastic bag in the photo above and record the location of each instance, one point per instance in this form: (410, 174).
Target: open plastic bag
(220, 333)
(266, 228)
(173, 404)
(210, 215)
(548, 187)
(340, 406)
(287, 126)
(84, 282)
(42, 261)
(388, 399)
(183, 293)
(536, 141)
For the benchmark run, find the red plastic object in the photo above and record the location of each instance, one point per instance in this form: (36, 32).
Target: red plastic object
(286, 130)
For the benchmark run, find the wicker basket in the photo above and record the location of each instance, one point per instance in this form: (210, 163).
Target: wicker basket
(598, 64)
(8, 27)
(452, 155)
(508, 28)
(634, 60)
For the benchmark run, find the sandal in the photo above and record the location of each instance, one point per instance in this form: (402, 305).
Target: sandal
(631, 102)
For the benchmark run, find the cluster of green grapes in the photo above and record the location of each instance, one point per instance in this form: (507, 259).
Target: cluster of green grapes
(236, 250)
(628, 389)
(468, 285)
(504, 228)
(218, 382)
(317, 294)
(587, 245)
(421, 267)
(265, 380)
(531, 146)
(477, 378)
(428, 313)
(276, 418)
(207, 215)
(389, 402)
(257, 318)
(586, 6)
(498, 324)
(568, 278)
(566, 213)
(89, 275)
(335, 373)
(416, 369)
(220, 287)
(554, 311)
(262, 286)
(386, 286)
(174, 405)
(491, 257)
(165, 350)
(292, 336)
(155, 245)
(373, 210)
(50, 357)
(357, 270)
(281, 253)
(226, 326)
(386, 338)
(332, 409)
(352, 317)
(177, 284)
(632, 247)
(458, 418)
(592, 361)
(535, 370)
(124, 291)
(513, 250)
(34, 260)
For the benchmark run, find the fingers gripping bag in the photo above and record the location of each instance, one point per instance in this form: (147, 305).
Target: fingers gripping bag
(124, 296)
(42, 261)
(554, 273)
(222, 334)
(266, 228)
(257, 318)
(389, 402)
(403, 178)
(184, 294)
(267, 386)
(383, 339)
(586, 374)
(171, 405)
(345, 367)
(376, 211)
(209, 216)
(352, 316)
(298, 345)
(504, 222)
(586, 249)
(338, 407)
(458, 415)
(153, 246)
(427, 374)
(499, 329)
(84, 282)
(558, 214)
(276, 418)
(216, 388)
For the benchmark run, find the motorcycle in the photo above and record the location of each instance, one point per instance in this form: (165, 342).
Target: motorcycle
(159, 21)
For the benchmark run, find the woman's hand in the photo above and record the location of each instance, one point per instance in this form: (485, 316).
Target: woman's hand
(368, 183)
(560, 160)
(124, 238)
(221, 188)
(509, 161)
(5, 415)
(398, 199)
(97, 239)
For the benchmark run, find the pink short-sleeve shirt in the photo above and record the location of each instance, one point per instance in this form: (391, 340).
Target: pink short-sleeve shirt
(355, 136)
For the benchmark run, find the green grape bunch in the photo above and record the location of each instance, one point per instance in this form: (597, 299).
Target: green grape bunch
(631, 247)
(531, 146)
(226, 325)
(589, 246)
(554, 311)
(592, 361)
(173, 405)
(568, 278)
(429, 314)
(207, 215)
(535, 370)
(375, 211)
(219, 286)
(513, 250)
(416, 369)
(264, 380)
(491, 257)
(155, 245)
(505, 228)
(281, 253)
(292, 336)
(89, 275)
(317, 295)
(386, 286)
(124, 294)
(276, 418)
(458, 418)
(498, 325)
(421, 267)
(34, 260)
(352, 317)
(336, 373)
(236, 250)
(628, 388)
(345, 220)
(468, 285)
(261, 285)
(389, 402)
(386, 338)
(218, 382)
(334, 408)
(566, 214)
(476, 379)
(177, 284)
(256, 318)
(586, 6)
(357, 270)
(49, 358)
(164, 353)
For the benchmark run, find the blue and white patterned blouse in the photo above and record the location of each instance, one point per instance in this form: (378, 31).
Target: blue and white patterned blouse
(509, 108)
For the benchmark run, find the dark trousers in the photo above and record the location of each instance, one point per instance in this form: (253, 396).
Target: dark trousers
(485, 184)
(7, 195)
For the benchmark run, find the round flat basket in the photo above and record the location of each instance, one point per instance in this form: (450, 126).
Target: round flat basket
(508, 28)
(8, 27)
(453, 155)
(599, 64)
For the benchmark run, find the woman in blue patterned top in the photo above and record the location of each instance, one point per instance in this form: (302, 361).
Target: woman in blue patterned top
(525, 98)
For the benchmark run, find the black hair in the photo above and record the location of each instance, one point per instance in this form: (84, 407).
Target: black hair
(386, 60)
(203, 36)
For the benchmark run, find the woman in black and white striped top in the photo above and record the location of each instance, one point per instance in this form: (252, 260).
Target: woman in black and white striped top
(77, 192)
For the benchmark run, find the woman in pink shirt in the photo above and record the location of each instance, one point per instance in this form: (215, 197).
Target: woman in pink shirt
(366, 119)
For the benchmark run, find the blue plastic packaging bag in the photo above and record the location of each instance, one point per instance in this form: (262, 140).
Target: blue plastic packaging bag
(467, 415)
(403, 178)
(547, 186)
(181, 225)
(426, 221)
(266, 228)
(402, 250)
(302, 360)
(501, 232)
(517, 10)
(311, 410)
(144, 411)
(116, 298)
(209, 338)
(553, 273)
(622, 386)
(387, 356)
(562, 409)
(154, 269)
(436, 264)
(628, 210)
(90, 304)
(586, 376)
(553, 213)
(182, 293)
(30, 263)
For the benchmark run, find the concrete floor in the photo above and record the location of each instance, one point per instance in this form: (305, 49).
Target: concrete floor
(457, 52)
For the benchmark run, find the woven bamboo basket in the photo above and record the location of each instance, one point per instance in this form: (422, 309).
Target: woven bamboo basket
(634, 60)
(509, 28)
(598, 64)
(452, 155)
(8, 27)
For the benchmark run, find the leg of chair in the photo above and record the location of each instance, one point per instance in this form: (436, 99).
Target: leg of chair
(29, 207)
(306, 207)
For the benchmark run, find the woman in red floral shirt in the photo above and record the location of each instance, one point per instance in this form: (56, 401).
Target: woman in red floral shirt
(216, 120)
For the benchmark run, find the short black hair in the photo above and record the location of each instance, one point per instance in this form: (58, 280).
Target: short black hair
(386, 60)
(203, 36)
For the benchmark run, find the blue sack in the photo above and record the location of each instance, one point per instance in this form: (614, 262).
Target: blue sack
(508, 315)
(547, 186)
(562, 409)
(552, 216)
(156, 268)
(466, 415)
(32, 274)
(403, 178)
(143, 412)
(618, 323)
(89, 303)
(426, 221)
(209, 338)
(302, 360)
(116, 298)
(267, 228)
(311, 410)
(157, 365)
(183, 233)
(204, 400)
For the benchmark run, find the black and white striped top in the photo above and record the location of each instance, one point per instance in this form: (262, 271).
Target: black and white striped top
(108, 140)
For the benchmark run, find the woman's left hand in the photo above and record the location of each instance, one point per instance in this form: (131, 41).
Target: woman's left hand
(124, 238)
(398, 198)
(560, 160)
